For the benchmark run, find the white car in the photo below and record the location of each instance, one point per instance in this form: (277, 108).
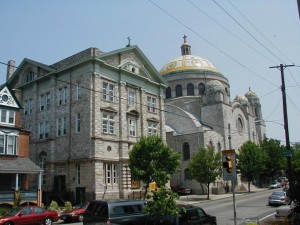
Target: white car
(275, 184)
(284, 211)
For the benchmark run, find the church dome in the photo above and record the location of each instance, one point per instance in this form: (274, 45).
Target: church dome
(241, 99)
(251, 94)
(215, 85)
(188, 63)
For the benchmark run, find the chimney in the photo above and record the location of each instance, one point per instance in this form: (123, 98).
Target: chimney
(10, 69)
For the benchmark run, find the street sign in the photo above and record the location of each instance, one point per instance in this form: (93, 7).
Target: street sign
(252, 221)
(288, 152)
(229, 164)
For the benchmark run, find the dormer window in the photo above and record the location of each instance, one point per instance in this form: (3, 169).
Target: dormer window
(29, 76)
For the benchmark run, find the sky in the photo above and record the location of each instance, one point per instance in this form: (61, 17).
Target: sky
(243, 39)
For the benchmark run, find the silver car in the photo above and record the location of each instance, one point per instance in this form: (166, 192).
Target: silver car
(278, 198)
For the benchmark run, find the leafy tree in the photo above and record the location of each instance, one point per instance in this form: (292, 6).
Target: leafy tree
(163, 203)
(275, 160)
(205, 166)
(152, 160)
(250, 161)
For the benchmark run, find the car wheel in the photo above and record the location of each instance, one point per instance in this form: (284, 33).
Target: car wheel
(8, 223)
(48, 221)
(80, 217)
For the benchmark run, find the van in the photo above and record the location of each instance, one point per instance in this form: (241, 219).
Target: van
(121, 211)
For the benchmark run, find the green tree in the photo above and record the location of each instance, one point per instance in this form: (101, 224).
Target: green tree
(205, 166)
(152, 160)
(162, 203)
(275, 160)
(250, 161)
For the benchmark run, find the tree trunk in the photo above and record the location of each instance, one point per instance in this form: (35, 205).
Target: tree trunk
(207, 191)
(249, 186)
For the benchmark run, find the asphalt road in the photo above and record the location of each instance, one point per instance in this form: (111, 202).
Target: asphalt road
(248, 205)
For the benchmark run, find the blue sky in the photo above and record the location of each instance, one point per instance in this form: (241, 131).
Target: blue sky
(241, 38)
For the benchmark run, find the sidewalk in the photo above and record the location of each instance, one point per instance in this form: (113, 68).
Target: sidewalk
(194, 199)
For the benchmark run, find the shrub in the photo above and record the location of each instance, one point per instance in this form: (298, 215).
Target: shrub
(68, 205)
(53, 206)
(4, 211)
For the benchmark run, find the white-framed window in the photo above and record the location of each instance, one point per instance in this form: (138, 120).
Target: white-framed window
(44, 130)
(7, 116)
(78, 171)
(78, 123)
(151, 104)
(131, 98)
(62, 95)
(152, 128)
(30, 106)
(45, 101)
(110, 173)
(61, 126)
(42, 164)
(8, 144)
(108, 123)
(108, 91)
(132, 127)
(78, 91)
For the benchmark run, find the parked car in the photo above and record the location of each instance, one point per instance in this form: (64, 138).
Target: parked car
(181, 190)
(76, 214)
(278, 198)
(275, 184)
(187, 215)
(30, 215)
(118, 211)
(283, 212)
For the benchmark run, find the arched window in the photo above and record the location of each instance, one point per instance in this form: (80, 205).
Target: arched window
(187, 175)
(178, 90)
(219, 146)
(42, 164)
(186, 151)
(239, 125)
(211, 144)
(168, 93)
(201, 88)
(190, 89)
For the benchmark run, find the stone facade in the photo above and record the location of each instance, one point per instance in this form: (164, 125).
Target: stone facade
(85, 113)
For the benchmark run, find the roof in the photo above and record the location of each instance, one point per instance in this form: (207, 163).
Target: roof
(18, 165)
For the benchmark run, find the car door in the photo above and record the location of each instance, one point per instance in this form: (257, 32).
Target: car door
(39, 215)
(25, 216)
(203, 218)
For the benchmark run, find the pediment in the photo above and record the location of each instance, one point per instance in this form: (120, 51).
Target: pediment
(8, 99)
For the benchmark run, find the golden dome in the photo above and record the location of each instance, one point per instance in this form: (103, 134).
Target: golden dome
(190, 63)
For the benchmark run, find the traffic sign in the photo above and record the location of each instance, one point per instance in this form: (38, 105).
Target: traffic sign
(288, 152)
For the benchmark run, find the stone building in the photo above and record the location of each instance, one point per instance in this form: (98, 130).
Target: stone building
(199, 112)
(85, 113)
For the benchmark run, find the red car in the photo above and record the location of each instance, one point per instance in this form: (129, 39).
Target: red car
(75, 214)
(30, 215)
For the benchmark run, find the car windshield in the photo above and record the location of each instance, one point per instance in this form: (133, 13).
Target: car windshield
(80, 206)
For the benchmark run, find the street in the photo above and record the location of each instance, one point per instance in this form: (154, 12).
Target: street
(248, 205)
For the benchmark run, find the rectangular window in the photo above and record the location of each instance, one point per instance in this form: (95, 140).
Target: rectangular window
(48, 100)
(110, 173)
(62, 96)
(151, 104)
(108, 123)
(2, 144)
(78, 91)
(132, 127)
(41, 130)
(108, 91)
(7, 116)
(152, 128)
(30, 106)
(131, 98)
(78, 123)
(47, 129)
(25, 108)
(42, 102)
(78, 174)
(61, 126)
(10, 145)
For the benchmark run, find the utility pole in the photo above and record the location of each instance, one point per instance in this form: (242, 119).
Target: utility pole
(286, 128)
